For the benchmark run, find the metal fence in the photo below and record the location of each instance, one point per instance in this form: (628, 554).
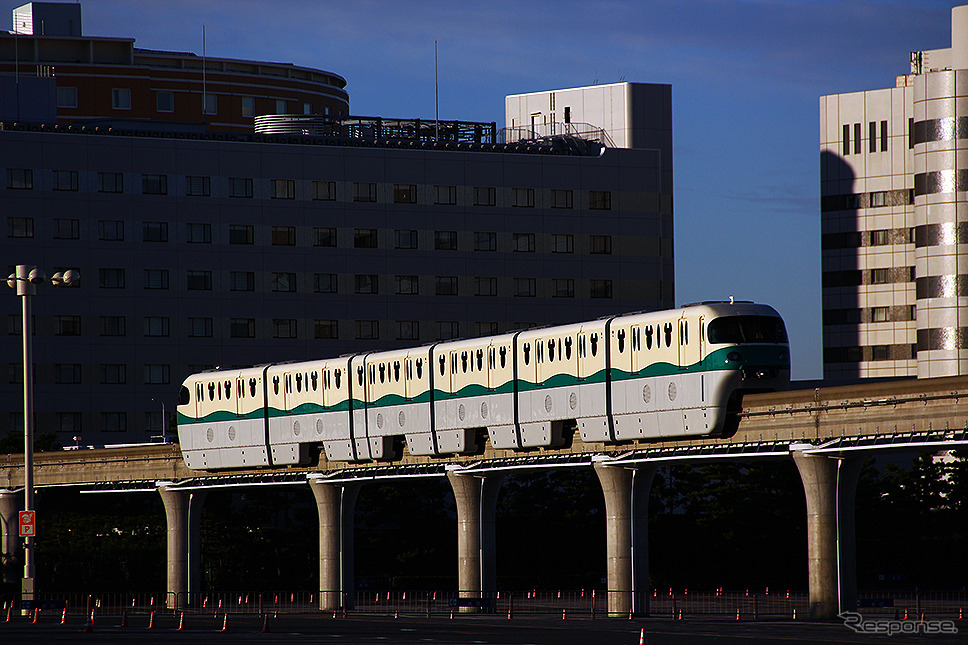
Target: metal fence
(580, 603)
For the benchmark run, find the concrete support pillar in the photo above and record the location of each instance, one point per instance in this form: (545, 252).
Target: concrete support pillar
(830, 484)
(183, 510)
(626, 493)
(476, 498)
(10, 506)
(335, 504)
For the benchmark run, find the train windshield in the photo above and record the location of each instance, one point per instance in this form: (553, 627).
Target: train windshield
(746, 329)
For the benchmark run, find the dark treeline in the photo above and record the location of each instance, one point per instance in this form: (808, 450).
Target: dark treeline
(721, 525)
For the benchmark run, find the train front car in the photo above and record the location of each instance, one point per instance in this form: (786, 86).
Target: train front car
(745, 349)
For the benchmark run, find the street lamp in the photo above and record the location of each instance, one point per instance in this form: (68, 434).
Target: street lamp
(25, 281)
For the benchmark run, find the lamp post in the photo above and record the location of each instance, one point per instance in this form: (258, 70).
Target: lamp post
(25, 281)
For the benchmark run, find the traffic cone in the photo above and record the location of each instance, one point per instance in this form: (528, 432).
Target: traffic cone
(93, 617)
(151, 620)
(181, 622)
(9, 612)
(452, 614)
(961, 613)
(737, 614)
(643, 639)
(794, 613)
(64, 617)
(225, 622)
(334, 613)
(36, 615)
(563, 616)
(905, 613)
(680, 615)
(396, 614)
(265, 624)
(630, 613)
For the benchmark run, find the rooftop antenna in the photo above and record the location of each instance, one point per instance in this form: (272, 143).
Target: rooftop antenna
(436, 99)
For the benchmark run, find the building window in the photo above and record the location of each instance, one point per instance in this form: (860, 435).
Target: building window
(20, 227)
(200, 327)
(846, 137)
(486, 286)
(563, 243)
(524, 287)
(199, 233)
(242, 328)
(404, 194)
(67, 97)
(199, 280)
(367, 329)
(448, 329)
(522, 197)
(486, 328)
(280, 106)
(121, 99)
(110, 182)
(364, 192)
(114, 373)
(65, 180)
(366, 283)
(241, 234)
(283, 189)
(445, 195)
(283, 236)
(857, 138)
(485, 241)
(600, 200)
(324, 191)
(242, 281)
(69, 422)
(211, 103)
(872, 136)
(881, 352)
(561, 199)
(154, 184)
(67, 373)
(880, 238)
(445, 285)
(880, 314)
(154, 231)
(240, 187)
(114, 421)
(111, 278)
(165, 101)
(600, 244)
(325, 329)
(485, 196)
(156, 326)
(880, 276)
(524, 242)
(156, 278)
(364, 238)
(284, 328)
(198, 186)
(67, 325)
(325, 283)
(248, 106)
(407, 285)
(110, 230)
(113, 325)
(601, 289)
(408, 330)
(564, 288)
(445, 240)
(157, 374)
(405, 239)
(307, 108)
(324, 236)
(283, 282)
(67, 229)
(20, 179)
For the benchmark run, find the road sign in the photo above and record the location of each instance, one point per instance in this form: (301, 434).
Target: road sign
(28, 523)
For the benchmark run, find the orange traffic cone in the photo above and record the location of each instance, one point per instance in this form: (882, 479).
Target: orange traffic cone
(64, 617)
(680, 615)
(151, 620)
(181, 622)
(36, 615)
(396, 614)
(265, 624)
(563, 616)
(225, 622)
(737, 614)
(794, 613)
(643, 639)
(9, 612)
(630, 613)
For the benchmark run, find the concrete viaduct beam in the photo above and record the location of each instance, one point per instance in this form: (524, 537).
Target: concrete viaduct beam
(183, 510)
(626, 493)
(476, 497)
(336, 504)
(830, 484)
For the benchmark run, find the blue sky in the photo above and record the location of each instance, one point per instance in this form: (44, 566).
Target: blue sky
(746, 79)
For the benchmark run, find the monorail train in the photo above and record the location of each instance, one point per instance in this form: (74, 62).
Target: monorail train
(656, 375)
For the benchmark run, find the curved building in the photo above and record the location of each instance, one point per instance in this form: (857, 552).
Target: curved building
(94, 78)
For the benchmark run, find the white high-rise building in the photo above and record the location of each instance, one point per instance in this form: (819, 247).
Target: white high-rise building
(894, 220)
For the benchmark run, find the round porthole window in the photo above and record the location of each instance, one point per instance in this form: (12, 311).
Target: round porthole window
(672, 391)
(646, 393)
(231, 433)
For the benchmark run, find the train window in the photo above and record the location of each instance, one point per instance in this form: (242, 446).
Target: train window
(299, 380)
(504, 356)
(593, 340)
(581, 346)
(252, 384)
(275, 384)
(199, 391)
(636, 338)
(648, 336)
(288, 383)
(396, 371)
(326, 378)
(621, 340)
(359, 374)
(568, 349)
(453, 362)
(539, 351)
(480, 359)
(551, 350)
(685, 332)
(409, 373)
(184, 396)
(419, 368)
(372, 374)
(667, 328)
(463, 362)
(383, 372)
(527, 353)
(336, 375)
(228, 389)
(491, 358)
(219, 390)
(443, 364)
(314, 377)
(746, 329)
